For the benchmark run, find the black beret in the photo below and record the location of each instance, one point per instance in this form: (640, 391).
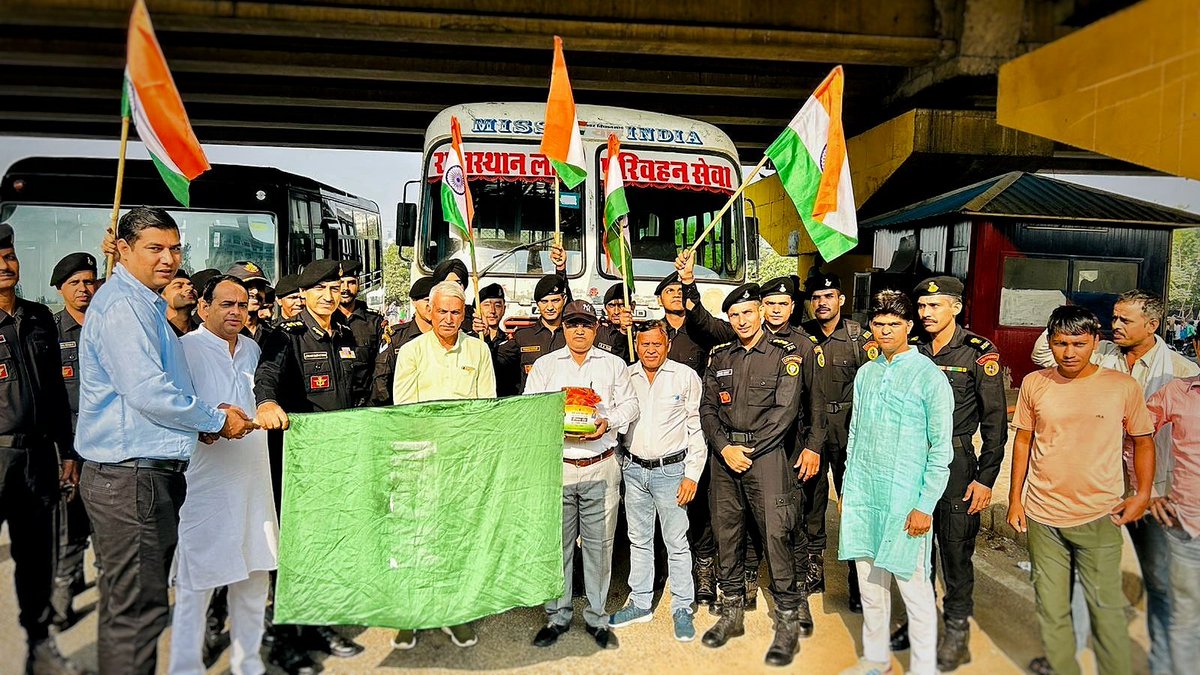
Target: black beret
(548, 285)
(491, 292)
(615, 292)
(743, 293)
(939, 286)
(287, 286)
(821, 282)
(350, 268)
(672, 278)
(75, 262)
(443, 270)
(319, 272)
(779, 286)
(246, 271)
(182, 274)
(420, 289)
(200, 279)
(6, 235)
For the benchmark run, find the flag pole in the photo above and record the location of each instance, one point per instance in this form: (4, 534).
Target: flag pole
(557, 215)
(625, 288)
(732, 198)
(116, 210)
(475, 277)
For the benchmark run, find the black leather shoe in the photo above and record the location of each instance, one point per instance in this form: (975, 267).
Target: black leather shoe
(899, 641)
(549, 634)
(605, 638)
(291, 661)
(331, 641)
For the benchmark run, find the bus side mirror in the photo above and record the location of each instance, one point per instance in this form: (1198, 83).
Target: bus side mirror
(406, 224)
(752, 237)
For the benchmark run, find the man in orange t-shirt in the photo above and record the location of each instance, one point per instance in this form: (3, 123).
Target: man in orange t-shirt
(1068, 492)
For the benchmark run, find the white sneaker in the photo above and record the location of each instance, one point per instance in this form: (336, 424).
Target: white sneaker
(865, 667)
(405, 639)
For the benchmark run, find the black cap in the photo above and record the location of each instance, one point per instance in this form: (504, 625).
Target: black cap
(615, 292)
(779, 286)
(420, 289)
(743, 293)
(246, 271)
(350, 268)
(6, 235)
(491, 292)
(443, 270)
(939, 286)
(287, 286)
(579, 309)
(821, 282)
(549, 285)
(75, 262)
(319, 272)
(268, 297)
(200, 279)
(672, 278)
(182, 274)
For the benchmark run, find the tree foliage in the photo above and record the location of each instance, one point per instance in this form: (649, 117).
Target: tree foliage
(1183, 295)
(395, 276)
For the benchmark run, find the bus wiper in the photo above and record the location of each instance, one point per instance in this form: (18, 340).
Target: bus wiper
(501, 257)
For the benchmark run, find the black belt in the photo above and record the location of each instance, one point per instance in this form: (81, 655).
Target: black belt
(740, 437)
(661, 461)
(837, 407)
(21, 440)
(588, 461)
(173, 465)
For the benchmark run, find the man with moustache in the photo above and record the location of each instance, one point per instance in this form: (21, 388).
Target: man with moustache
(399, 335)
(1137, 350)
(180, 296)
(291, 300)
(34, 419)
(488, 327)
(75, 278)
(845, 346)
(139, 418)
(612, 336)
(365, 325)
(752, 393)
(257, 285)
(531, 343)
(228, 532)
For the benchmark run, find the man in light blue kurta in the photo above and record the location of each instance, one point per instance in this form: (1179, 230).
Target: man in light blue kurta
(897, 467)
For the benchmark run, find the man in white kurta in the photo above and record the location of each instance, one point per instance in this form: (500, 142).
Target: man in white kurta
(228, 532)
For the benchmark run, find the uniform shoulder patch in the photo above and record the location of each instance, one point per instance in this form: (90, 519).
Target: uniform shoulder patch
(866, 335)
(784, 345)
(980, 345)
(718, 348)
(292, 326)
(820, 356)
(916, 339)
(814, 339)
(791, 364)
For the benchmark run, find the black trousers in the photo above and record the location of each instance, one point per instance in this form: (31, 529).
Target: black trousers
(700, 531)
(74, 528)
(816, 490)
(28, 488)
(954, 533)
(135, 521)
(765, 491)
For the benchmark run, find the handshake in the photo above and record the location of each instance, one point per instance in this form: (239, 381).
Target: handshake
(237, 425)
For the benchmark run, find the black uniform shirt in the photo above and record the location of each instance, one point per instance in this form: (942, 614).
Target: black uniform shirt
(367, 328)
(260, 335)
(528, 345)
(68, 349)
(33, 398)
(756, 390)
(394, 337)
(609, 338)
(685, 350)
(305, 369)
(843, 352)
(507, 376)
(972, 365)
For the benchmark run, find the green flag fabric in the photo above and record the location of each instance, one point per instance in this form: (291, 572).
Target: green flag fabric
(423, 515)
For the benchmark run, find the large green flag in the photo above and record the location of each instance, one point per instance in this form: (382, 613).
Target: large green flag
(421, 516)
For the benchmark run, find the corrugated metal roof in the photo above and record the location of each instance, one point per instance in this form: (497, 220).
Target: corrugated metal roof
(1034, 197)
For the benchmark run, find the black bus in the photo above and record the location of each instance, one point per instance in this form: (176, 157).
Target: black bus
(278, 220)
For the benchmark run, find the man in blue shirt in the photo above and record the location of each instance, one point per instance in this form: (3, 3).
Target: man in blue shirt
(139, 418)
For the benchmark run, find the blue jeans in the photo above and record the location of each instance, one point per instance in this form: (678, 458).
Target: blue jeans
(1150, 543)
(647, 492)
(1185, 602)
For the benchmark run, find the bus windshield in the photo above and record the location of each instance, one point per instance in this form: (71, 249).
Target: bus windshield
(47, 233)
(514, 206)
(672, 198)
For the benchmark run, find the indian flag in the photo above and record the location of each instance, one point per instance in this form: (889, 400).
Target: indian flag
(618, 255)
(151, 100)
(810, 156)
(457, 208)
(561, 142)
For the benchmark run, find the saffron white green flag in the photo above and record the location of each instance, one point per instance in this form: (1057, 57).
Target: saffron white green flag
(810, 156)
(457, 207)
(618, 256)
(561, 142)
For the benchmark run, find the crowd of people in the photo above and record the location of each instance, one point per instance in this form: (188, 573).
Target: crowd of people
(148, 416)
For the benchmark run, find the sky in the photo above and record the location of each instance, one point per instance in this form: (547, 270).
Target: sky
(380, 176)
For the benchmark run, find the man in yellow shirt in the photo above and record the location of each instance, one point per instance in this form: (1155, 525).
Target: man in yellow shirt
(443, 364)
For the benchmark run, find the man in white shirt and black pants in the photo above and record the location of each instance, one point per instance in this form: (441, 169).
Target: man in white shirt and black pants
(591, 477)
(664, 460)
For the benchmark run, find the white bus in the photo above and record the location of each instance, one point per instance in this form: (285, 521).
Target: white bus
(678, 174)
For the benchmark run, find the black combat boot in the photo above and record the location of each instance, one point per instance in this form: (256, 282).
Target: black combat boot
(45, 659)
(706, 582)
(804, 620)
(954, 649)
(730, 625)
(855, 600)
(787, 638)
(751, 590)
(814, 576)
